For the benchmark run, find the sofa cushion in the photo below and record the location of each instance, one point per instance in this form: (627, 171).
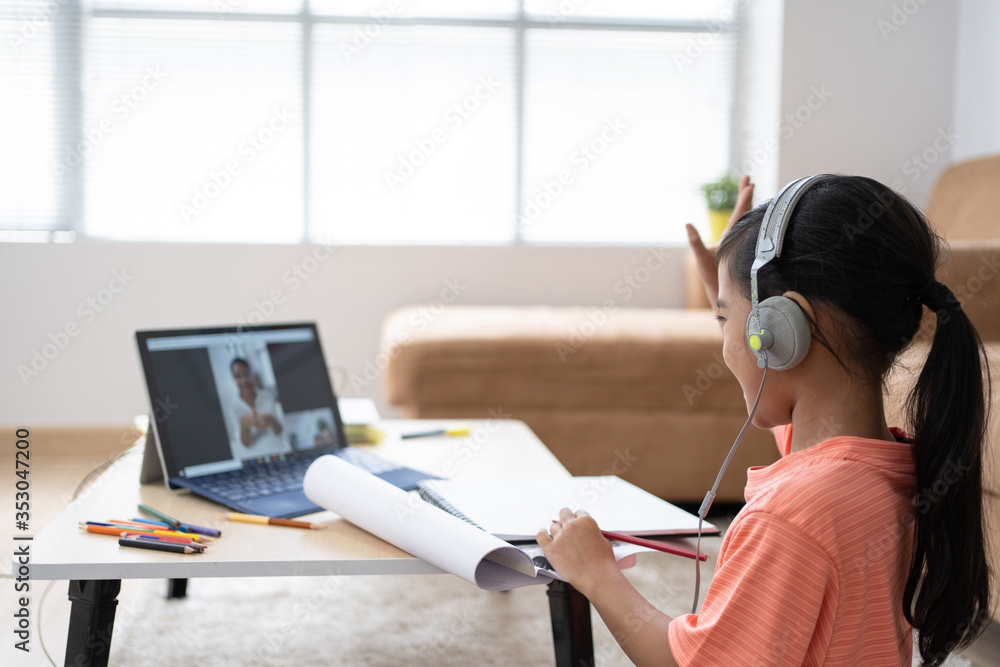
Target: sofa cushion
(539, 356)
(972, 270)
(901, 381)
(965, 202)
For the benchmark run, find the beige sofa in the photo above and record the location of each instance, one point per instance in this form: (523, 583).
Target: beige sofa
(644, 393)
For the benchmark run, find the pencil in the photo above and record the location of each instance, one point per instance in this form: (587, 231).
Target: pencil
(152, 530)
(197, 546)
(253, 518)
(453, 432)
(113, 530)
(156, 546)
(146, 509)
(186, 527)
(659, 546)
(127, 531)
(159, 530)
(176, 524)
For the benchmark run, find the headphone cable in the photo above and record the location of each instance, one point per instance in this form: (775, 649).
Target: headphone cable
(710, 496)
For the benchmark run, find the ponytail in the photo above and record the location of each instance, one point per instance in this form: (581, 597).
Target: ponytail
(947, 593)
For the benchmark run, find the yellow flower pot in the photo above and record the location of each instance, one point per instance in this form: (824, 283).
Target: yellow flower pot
(717, 221)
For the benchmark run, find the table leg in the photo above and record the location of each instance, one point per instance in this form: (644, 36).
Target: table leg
(91, 620)
(177, 588)
(571, 631)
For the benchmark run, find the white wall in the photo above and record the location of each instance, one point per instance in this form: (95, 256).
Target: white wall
(889, 69)
(96, 378)
(893, 91)
(977, 81)
(757, 127)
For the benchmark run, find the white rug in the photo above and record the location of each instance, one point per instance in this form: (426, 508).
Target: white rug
(372, 621)
(369, 621)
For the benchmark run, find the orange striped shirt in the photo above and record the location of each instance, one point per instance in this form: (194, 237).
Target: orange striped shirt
(812, 570)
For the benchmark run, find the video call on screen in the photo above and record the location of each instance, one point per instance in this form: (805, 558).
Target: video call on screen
(189, 406)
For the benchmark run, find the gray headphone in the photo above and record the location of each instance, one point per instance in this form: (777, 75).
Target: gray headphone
(777, 329)
(778, 324)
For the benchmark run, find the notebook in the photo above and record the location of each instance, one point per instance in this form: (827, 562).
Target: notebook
(515, 509)
(239, 413)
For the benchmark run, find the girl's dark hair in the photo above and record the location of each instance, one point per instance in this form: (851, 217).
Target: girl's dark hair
(861, 252)
(238, 360)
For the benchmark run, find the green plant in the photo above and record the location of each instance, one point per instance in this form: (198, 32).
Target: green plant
(720, 195)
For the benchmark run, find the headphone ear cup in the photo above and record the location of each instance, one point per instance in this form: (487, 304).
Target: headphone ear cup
(790, 329)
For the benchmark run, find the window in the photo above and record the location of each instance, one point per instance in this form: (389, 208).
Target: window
(359, 121)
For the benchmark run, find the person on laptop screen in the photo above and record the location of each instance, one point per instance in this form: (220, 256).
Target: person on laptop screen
(256, 414)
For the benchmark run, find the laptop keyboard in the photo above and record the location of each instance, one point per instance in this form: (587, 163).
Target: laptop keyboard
(285, 474)
(367, 461)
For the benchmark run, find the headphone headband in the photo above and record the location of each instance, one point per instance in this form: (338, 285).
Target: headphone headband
(771, 239)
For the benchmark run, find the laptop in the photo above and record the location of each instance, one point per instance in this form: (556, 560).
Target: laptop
(239, 413)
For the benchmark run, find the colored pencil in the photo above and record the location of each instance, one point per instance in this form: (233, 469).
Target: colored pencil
(253, 518)
(186, 527)
(453, 432)
(197, 546)
(112, 530)
(146, 509)
(119, 531)
(659, 546)
(117, 528)
(160, 530)
(170, 538)
(156, 546)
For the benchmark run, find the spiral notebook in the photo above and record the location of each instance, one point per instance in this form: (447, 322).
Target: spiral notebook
(515, 509)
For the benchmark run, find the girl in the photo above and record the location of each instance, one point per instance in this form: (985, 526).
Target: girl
(861, 531)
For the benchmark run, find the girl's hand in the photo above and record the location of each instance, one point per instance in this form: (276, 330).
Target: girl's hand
(577, 550)
(708, 267)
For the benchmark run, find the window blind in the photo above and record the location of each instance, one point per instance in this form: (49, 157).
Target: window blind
(364, 121)
(35, 116)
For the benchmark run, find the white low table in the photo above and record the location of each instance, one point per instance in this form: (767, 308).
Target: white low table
(95, 564)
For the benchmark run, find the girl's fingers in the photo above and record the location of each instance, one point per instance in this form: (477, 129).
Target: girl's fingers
(694, 239)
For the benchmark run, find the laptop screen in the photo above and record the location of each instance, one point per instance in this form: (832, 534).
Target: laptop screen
(220, 397)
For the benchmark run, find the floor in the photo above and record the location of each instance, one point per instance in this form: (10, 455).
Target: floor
(56, 471)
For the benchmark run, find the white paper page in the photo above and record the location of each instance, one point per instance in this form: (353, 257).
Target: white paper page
(516, 508)
(416, 527)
